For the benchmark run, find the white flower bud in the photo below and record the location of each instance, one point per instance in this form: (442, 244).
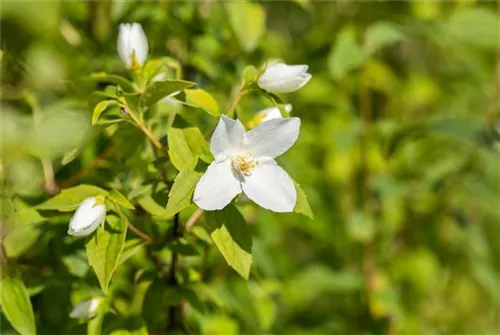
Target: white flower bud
(87, 218)
(283, 78)
(132, 44)
(86, 309)
(273, 113)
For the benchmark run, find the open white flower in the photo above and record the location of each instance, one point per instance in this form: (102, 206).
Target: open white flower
(244, 162)
(283, 78)
(87, 218)
(132, 44)
(273, 113)
(86, 309)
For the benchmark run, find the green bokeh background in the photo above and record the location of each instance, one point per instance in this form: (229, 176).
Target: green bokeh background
(398, 154)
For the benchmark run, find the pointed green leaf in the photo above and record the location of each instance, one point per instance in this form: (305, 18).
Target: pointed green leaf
(302, 205)
(160, 89)
(202, 99)
(69, 199)
(233, 238)
(130, 248)
(113, 79)
(119, 199)
(16, 305)
(152, 207)
(248, 20)
(100, 108)
(181, 194)
(185, 145)
(104, 248)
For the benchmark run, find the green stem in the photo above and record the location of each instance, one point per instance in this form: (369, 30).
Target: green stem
(230, 111)
(144, 129)
(174, 312)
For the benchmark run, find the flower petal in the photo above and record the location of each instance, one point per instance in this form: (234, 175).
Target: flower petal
(286, 84)
(282, 70)
(123, 48)
(273, 137)
(227, 137)
(139, 42)
(87, 218)
(217, 187)
(274, 113)
(271, 187)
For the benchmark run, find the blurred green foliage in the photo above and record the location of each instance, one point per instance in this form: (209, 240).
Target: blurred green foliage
(398, 155)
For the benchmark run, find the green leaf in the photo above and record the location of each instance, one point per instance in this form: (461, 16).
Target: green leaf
(152, 207)
(100, 108)
(99, 96)
(104, 248)
(248, 20)
(475, 27)
(250, 75)
(113, 79)
(69, 199)
(160, 89)
(181, 194)
(21, 239)
(302, 205)
(233, 238)
(130, 248)
(24, 233)
(69, 156)
(16, 305)
(202, 99)
(185, 145)
(119, 199)
(346, 55)
(198, 144)
(380, 35)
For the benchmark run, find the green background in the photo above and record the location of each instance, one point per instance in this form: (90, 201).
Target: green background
(398, 154)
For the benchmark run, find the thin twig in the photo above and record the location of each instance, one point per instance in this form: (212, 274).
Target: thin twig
(139, 233)
(99, 160)
(144, 129)
(234, 103)
(193, 218)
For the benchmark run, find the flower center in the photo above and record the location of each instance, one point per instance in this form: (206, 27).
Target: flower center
(244, 164)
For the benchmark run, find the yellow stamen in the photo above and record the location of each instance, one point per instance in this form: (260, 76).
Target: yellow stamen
(244, 164)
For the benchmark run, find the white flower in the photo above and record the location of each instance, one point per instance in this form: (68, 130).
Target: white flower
(282, 78)
(244, 162)
(86, 309)
(273, 113)
(87, 218)
(132, 44)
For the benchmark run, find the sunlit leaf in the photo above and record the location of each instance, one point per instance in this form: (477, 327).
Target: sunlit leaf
(202, 99)
(302, 205)
(233, 238)
(160, 89)
(100, 108)
(181, 194)
(119, 199)
(16, 305)
(152, 207)
(69, 198)
(104, 248)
